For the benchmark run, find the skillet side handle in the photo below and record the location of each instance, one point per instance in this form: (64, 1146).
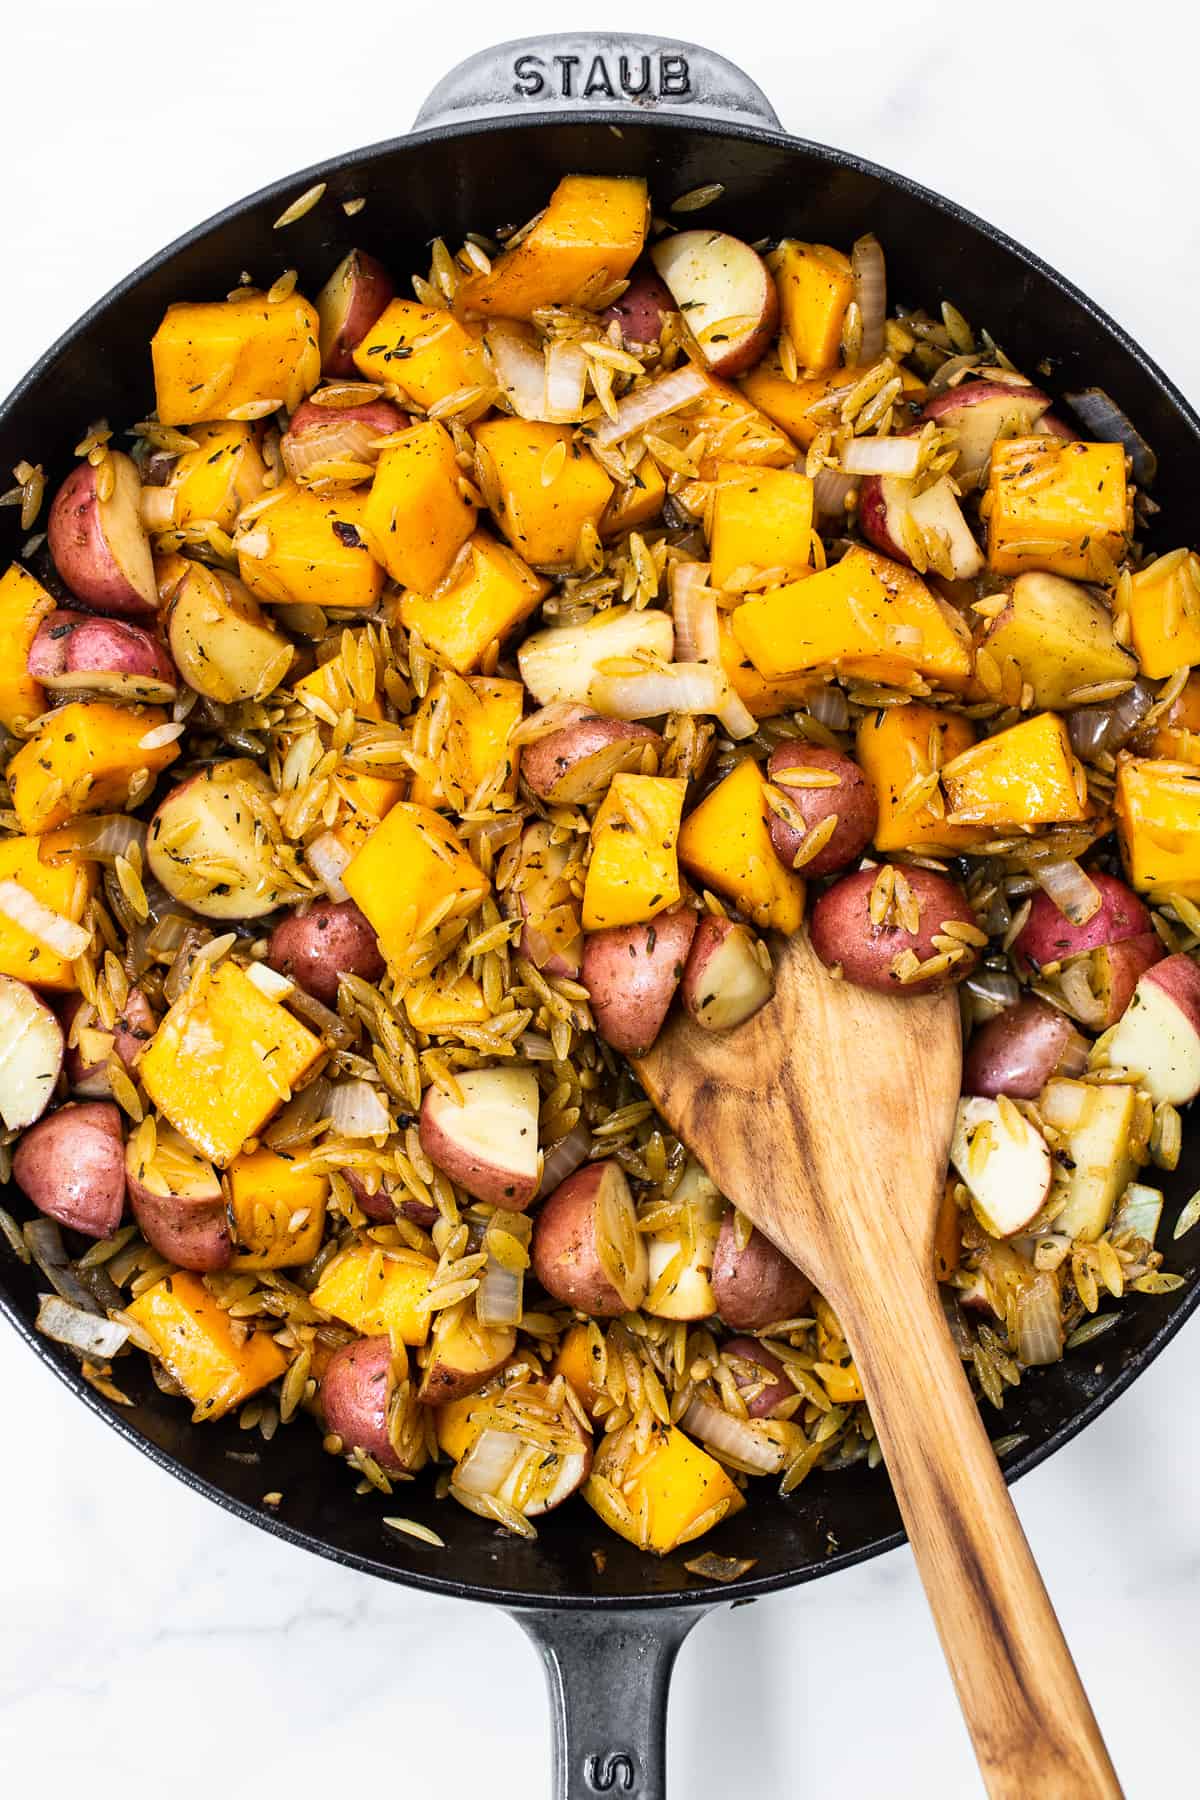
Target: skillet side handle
(597, 70)
(609, 1674)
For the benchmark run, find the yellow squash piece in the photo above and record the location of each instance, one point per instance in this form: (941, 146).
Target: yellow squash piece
(481, 715)
(1158, 822)
(416, 514)
(1162, 602)
(407, 869)
(428, 354)
(578, 1360)
(789, 404)
(442, 1003)
(815, 285)
(668, 1488)
(866, 617)
(898, 749)
(82, 759)
(224, 1058)
(1024, 776)
(1058, 506)
(278, 1210)
(310, 549)
(761, 697)
(378, 1292)
(762, 519)
(65, 886)
(591, 234)
(735, 431)
(547, 495)
(1177, 737)
(195, 1341)
(634, 870)
(491, 595)
(638, 505)
(221, 475)
(725, 844)
(216, 358)
(24, 603)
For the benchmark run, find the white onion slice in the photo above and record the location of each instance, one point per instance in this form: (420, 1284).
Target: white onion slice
(566, 368)
(490, 1461)
(355, 1109)
(498, 1298)
(564, 1157)
(828, 706)
(654, 401)
(63, 936)
(520, 367)
(882, 456)
(329, 858)
(79, 1330)
(101, 838)
(870, 290)
(1039, 1322)
(694, 609)
(678, 687)
(341, 440)
(1071, 888)
(830, 491)
(743, 1441)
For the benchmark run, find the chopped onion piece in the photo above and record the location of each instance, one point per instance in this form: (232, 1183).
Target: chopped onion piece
(566, 382)
(269, 981)
(1107, 424)
(564, 1157)
(44, 1241)
(341, 440)
(870, 290)
(79, 1330)
(1077, 995)
(828, 705)
(355, 1109)
(101, 838)
(1039, 1321)
(490, 1461)
(1139, 1210)
(694, 609)
(882, 456)
(329, 859)
(750, 1443)
(1072, 890)
(520, 367)
(499, 1299)
(1109, 727)
(22, 908)
(647, 693)
(831, 489)
(654, 401)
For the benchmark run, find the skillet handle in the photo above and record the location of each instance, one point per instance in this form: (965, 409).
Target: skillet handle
(608, 1674)
(597, 70)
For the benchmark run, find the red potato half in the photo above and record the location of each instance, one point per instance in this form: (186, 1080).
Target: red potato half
(489, 1144)
(178, 1202)
(760, 1377)
(1003, 1162)
(574, 766)
(74, 651)
(756, 1286)
(463, 1354)
(1018, 1051)
(726, 293)
(100, 547)
(849, 796)
(725, 980)
(330, 940)
(982, 411)
(1158, 1036)
(31, 1054)
(640, 310)
(347, 306)
(631, 973)
(326, 435)
(355, 1392)
(586, 1249)
(843, 933)
(71, 1165)
(1048, 936)
(886, 502)
(88, 1074)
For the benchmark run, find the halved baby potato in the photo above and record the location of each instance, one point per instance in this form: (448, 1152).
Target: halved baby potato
(100, 547)
(587, 1250)
(177, 1200)
(489, 1143)
(74, 652)
(207, 848)
(726, 294)
(224, 643)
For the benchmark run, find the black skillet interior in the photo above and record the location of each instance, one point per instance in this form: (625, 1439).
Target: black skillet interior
(479, 177)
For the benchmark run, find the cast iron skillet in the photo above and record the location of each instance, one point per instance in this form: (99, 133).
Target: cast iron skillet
(488, 147)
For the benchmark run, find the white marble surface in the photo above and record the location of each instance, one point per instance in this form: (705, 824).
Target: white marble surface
(137, 1622)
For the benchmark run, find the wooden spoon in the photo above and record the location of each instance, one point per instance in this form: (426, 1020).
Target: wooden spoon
(827, 1119)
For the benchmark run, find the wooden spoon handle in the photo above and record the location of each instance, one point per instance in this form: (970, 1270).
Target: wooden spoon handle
(1033, 1729)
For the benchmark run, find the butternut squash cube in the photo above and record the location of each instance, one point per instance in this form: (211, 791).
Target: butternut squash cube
(762, 519)
(725, 844)
(1158, 823)
(542, 519)
(482, 715)
(409, 866)
(736, 431)
(442, 1002)
(1177, 737)
(1058, 506)
(378, 1292)
(24, 603)
(761, 697)
(896, 747)
(1060, 637)
(221, 475)
(195, 1343)
(310, 549)
(634, 870)
(65, 886)
(866, 617)
(636, 505)
(1024, 776)
(494, 592)
(214, 358)
(224, 1058)
(416, 515)
(591, 234)
(580, 1369)
(788, 404)
(426, 352)
(1162, 602)
(815, 285)
(278, 1210)
(82, 759)
(668, 1488)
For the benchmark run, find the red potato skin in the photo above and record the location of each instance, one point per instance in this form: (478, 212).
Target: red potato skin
(380, 413)
(1118, 967)
(77, 643)
(970, 393)
(777, 1389)
(369, 290)
(1018, 1051)
(482, 1180)
(134, 1029)
(548, 760)
(354, 1396)
(563, 1252)
(842, 932)
(1050, 425)
(331, 939)
(872, 520)
(379, 1207)
(1048, 936)
(71, 1165)
(80, 553)
(1179, 978)
(631, 973)
(758, 1285)
(696, 989)
(853, 800)
(640, 310)
(190, 1229)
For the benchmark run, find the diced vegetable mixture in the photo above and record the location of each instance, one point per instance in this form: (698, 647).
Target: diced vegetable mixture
(428, 695)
